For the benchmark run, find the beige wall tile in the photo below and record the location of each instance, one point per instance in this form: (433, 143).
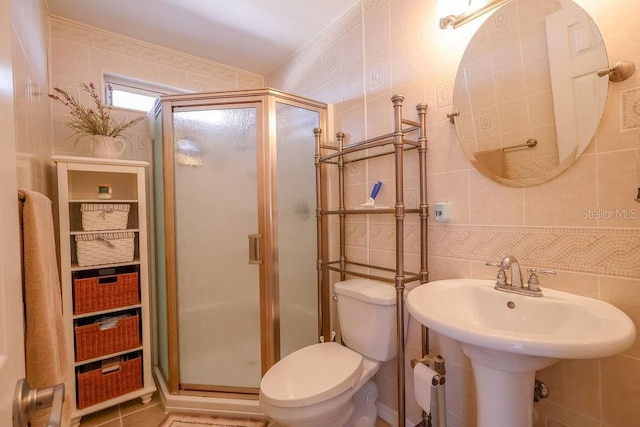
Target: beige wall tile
(142, 69)
(407, 17)
(450, 349)
(72, 59)
(376, 30)
(624, 294)
(620, 391)
(378, 74)
(173, 77)
(351, 45)
(564, 198)
(460, 392)
(494, 204)
(551, 414)
(444, 153)
(610, 134)
(404, 65)
(30, 44)
(102, 61)
(379, 121)
(441, 268)
(574, 384)
(452, 187)
(80, 53)
(576, 283)
(616, 194)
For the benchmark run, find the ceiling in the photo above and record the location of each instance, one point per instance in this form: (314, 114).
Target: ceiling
(254, 35)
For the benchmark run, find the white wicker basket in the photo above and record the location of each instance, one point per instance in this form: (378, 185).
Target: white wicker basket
(104, 216)
(105, 248)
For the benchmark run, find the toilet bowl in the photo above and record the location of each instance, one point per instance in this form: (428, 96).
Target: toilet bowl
(314, 386)
(328, 384)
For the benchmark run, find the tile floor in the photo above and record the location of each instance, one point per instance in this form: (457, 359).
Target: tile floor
(134, 414)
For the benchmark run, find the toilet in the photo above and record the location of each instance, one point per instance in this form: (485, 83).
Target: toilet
(328, 384)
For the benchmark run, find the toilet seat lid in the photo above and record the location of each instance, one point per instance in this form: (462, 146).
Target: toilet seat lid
(311, 375)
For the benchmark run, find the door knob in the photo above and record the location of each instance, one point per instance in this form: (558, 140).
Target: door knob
(26, 401)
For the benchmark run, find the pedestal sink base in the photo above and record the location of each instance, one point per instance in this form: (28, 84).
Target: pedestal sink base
(503, 399)
(508, 337)
(504, 386)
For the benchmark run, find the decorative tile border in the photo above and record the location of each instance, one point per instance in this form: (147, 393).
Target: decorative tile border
(630, 108)
(605, 251)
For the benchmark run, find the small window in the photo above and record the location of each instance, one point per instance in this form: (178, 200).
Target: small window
(133, 94)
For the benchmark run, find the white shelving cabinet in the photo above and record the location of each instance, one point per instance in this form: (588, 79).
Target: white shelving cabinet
(127, 368)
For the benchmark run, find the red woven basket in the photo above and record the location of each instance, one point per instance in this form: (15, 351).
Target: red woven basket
(93, 341)
(95, 386)
(105, 292)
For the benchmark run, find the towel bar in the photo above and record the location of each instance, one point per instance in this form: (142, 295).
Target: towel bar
(531, 142)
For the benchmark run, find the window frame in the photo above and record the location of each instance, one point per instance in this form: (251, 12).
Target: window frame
(135, 86)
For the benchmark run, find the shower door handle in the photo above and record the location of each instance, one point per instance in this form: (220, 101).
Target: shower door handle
(254, 248)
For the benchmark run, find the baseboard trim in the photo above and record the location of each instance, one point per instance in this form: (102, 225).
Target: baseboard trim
(391, 416)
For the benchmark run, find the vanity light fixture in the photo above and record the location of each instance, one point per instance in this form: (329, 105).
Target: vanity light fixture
(455, 13)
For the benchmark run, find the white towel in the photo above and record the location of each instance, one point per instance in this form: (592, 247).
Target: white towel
(44, 330)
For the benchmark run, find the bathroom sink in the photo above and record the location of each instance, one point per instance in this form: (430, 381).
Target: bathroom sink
(509, 336)
(558, 325)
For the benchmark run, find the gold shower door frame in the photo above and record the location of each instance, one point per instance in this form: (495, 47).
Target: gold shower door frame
(264, 100)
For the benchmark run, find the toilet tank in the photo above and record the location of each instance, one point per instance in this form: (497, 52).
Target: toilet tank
(367, 313)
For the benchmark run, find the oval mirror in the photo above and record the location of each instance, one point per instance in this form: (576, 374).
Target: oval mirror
(527, 91)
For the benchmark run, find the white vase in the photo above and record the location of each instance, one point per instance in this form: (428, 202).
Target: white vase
(108, 147)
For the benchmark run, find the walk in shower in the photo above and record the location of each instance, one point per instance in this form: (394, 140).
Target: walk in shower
(235, 237)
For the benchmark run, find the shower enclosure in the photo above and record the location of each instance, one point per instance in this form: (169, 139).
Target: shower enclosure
(235, 238)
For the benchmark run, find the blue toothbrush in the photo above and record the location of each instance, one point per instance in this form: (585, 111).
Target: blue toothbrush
(374, 194)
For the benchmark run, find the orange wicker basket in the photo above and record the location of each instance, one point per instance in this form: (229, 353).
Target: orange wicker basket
(96, 386)
(105, 292)
(98, 339)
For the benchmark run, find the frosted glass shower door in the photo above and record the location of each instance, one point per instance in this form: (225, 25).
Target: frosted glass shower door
(297, 250)
(216, 189)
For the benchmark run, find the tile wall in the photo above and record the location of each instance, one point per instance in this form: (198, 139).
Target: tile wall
(30, 40)
(584, 223)
(82, 53)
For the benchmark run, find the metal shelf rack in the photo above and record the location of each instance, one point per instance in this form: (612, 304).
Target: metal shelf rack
(395, 145)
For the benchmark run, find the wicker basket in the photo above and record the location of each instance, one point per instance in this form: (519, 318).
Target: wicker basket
(99, 384)
(105, 248)
(106, 337)
(105, 292)
(104, 216)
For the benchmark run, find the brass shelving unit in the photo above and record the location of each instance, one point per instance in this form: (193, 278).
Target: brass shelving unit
(393, 144)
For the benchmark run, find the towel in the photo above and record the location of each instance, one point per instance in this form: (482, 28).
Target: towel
(492, 161)
(46, 361)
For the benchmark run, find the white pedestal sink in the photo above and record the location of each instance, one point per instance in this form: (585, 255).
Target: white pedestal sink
(508, 337)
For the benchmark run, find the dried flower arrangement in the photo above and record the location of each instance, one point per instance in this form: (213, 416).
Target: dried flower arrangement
(88, 121)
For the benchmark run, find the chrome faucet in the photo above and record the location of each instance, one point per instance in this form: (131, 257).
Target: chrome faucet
(511, 263)
(516, 284)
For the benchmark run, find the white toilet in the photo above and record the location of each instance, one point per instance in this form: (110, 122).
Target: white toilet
(328, 384)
